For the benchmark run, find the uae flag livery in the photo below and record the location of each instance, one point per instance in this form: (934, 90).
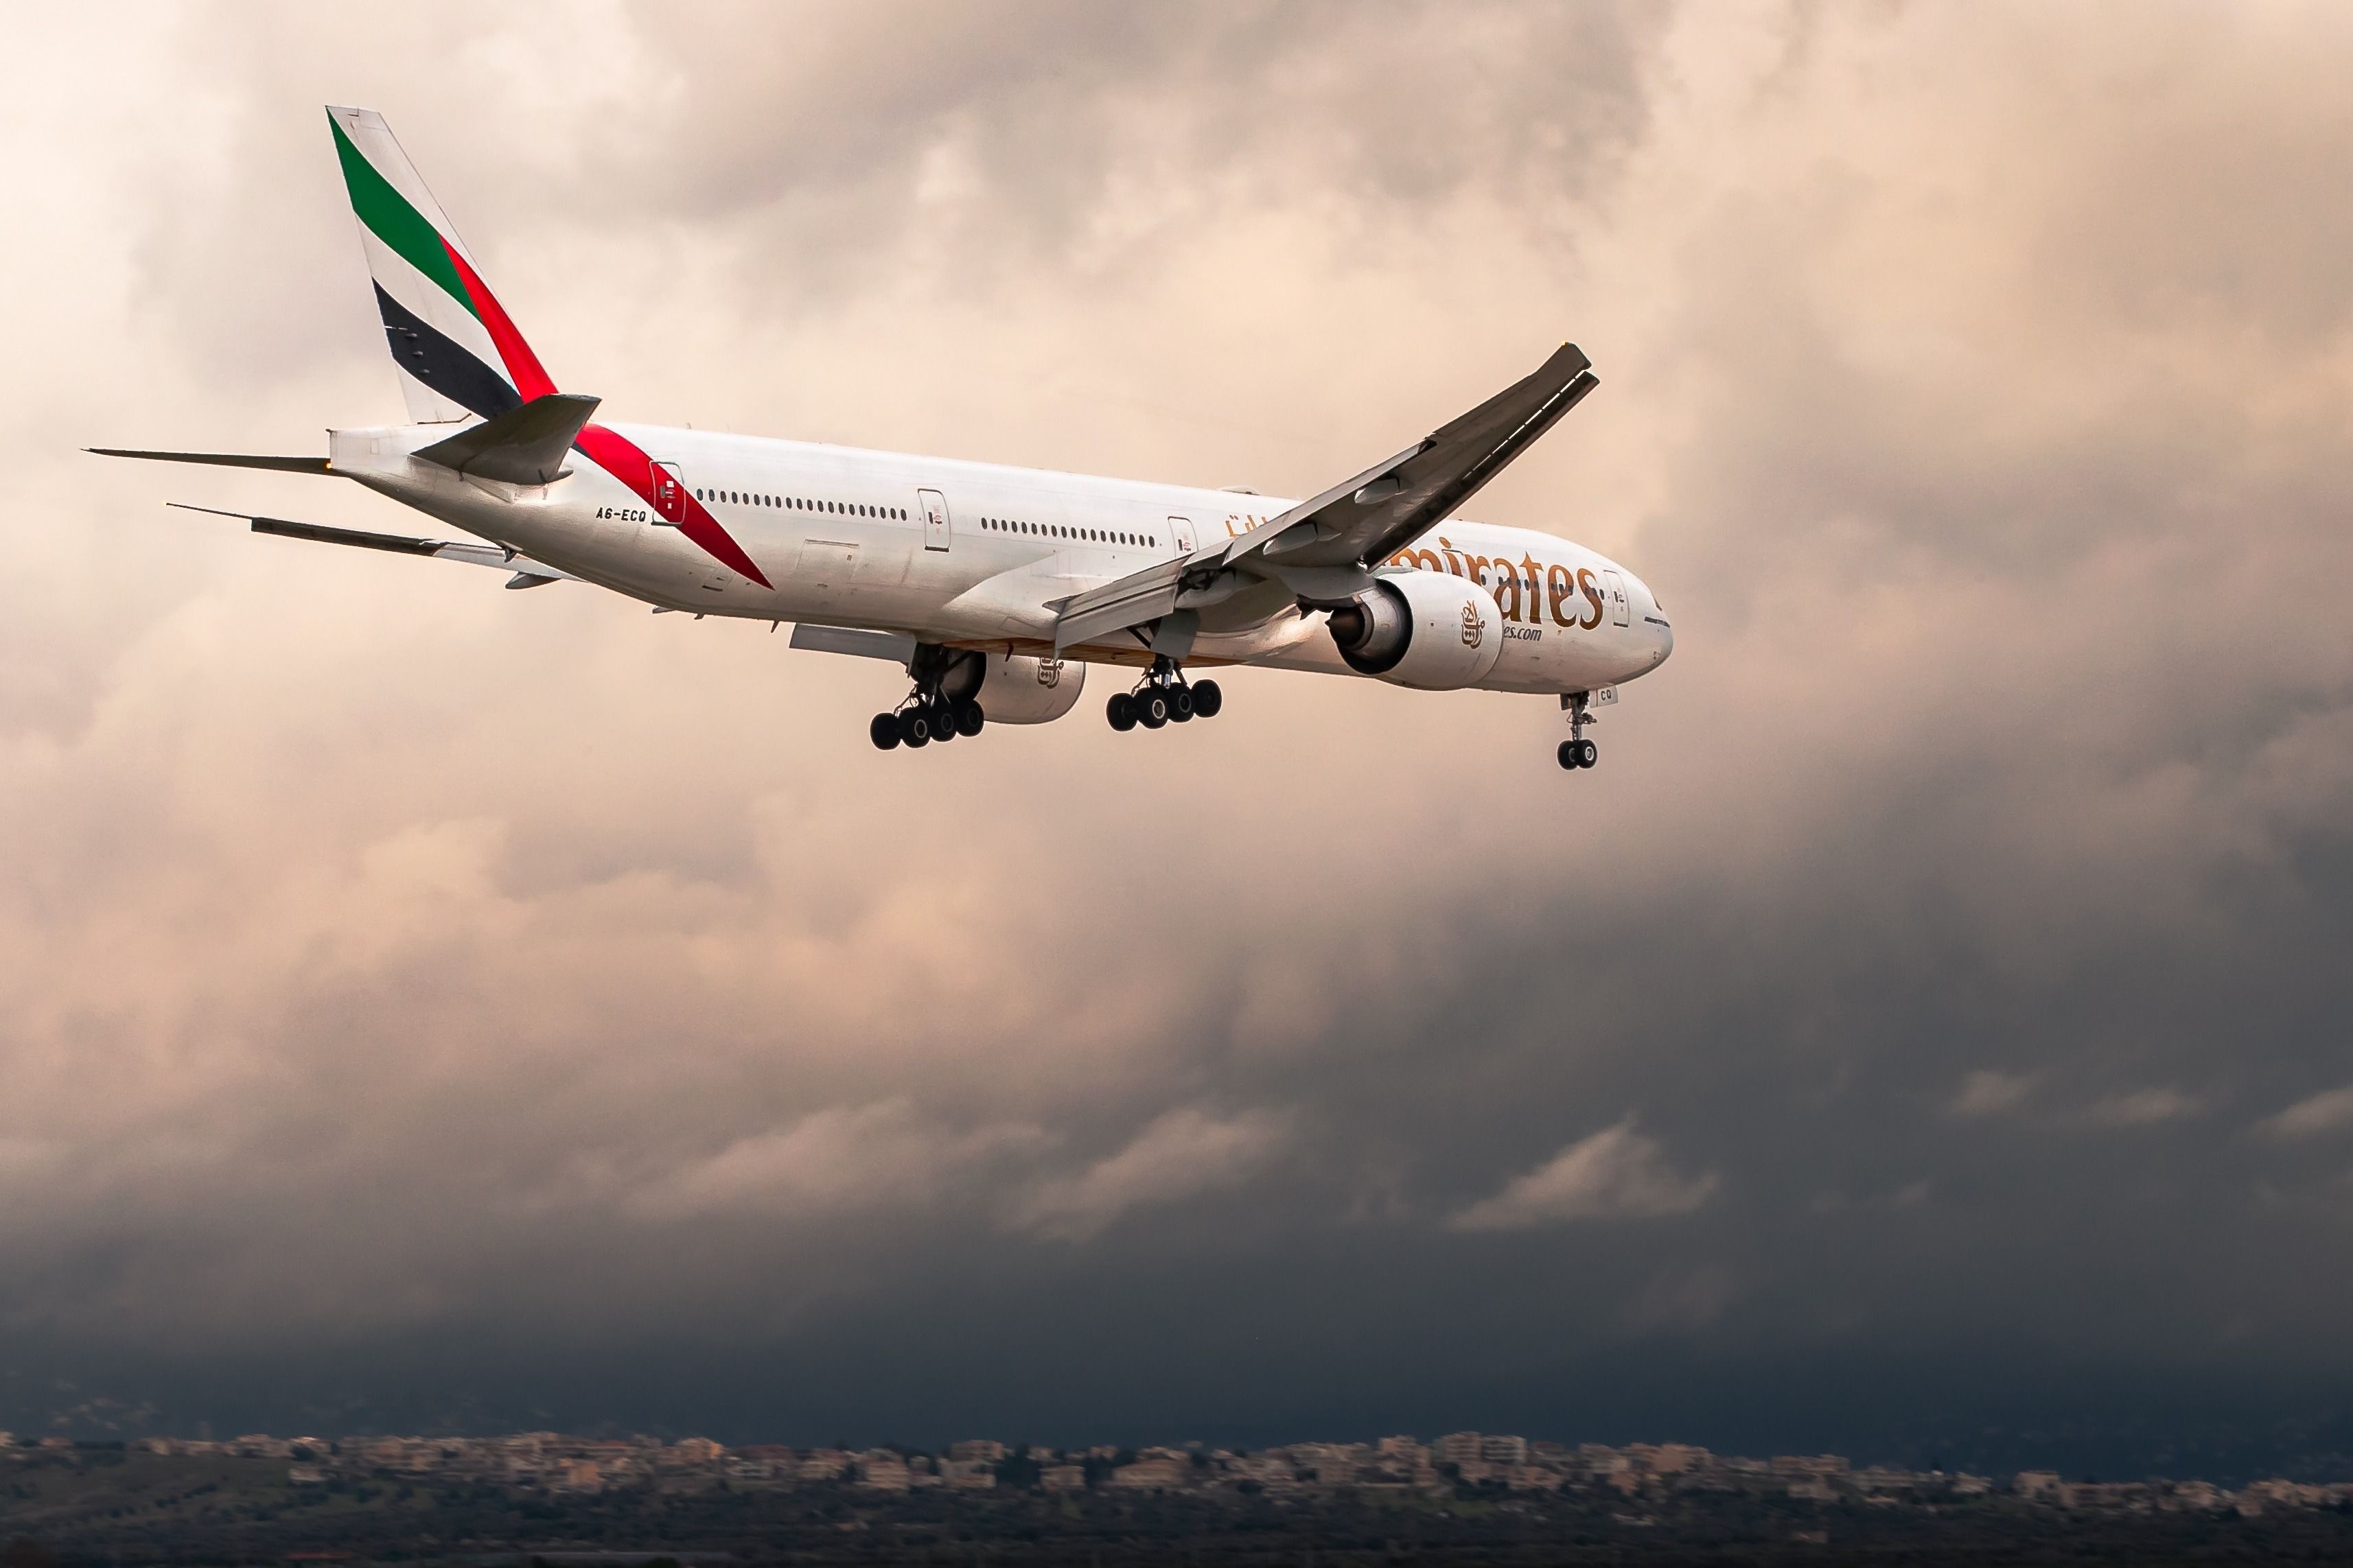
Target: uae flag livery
(459, 354)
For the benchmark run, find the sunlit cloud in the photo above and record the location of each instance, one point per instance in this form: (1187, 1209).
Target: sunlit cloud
(1987, 1093)
(2329, 1111)
(1181, 1154)
(836, 1161)
(1615, 1174)
(2143, 1107)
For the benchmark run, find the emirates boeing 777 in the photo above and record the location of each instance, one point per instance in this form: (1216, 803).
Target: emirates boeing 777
(993, 588)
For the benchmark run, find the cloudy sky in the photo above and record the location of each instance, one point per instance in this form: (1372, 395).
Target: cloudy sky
(1925, 1034)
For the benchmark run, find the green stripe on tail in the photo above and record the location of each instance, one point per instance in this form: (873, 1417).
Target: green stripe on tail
(388, 216)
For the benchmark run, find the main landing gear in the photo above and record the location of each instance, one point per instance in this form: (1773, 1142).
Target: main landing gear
(920, 721)
(1576, 752)
(933, 711)
(1165, 697)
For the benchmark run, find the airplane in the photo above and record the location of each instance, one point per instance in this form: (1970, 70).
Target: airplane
(995, 588)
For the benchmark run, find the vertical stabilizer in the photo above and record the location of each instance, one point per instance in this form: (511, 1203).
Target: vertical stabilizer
(458, 354)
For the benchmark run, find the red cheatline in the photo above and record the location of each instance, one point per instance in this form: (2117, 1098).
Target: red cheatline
(619, 457)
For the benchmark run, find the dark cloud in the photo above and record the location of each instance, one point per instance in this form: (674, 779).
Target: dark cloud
(1922, 1035)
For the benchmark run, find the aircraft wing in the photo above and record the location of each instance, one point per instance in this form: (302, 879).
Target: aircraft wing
(528, 574)
(1326, 548)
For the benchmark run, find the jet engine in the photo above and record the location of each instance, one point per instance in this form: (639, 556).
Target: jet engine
(1016, 688)
(1428, 629)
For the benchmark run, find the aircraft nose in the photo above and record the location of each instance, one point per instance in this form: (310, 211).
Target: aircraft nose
(1661, 634)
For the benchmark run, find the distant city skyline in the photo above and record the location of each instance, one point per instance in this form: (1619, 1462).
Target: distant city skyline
(1446, 1465)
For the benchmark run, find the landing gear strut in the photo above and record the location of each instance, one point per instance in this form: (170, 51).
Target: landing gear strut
(1576, 752)
(940, 708)
(1164, 697)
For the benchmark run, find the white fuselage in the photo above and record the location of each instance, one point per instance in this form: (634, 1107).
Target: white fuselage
(978, 555)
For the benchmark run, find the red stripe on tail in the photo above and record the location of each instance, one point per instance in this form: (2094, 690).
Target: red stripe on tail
(522, 365)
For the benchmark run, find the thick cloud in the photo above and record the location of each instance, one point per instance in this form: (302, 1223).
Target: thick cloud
(430, 1004)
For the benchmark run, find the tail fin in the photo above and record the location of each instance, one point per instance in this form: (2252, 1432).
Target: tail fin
(458, 353)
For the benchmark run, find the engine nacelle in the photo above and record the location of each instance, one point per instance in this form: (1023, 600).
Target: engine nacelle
(1428, 629)
(1016, 689)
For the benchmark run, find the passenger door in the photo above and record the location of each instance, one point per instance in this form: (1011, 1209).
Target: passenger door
(670, 494)
(1617, 607)
(1180, 530)
(936, 519)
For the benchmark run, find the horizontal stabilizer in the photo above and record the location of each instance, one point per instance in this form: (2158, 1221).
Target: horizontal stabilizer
(525, 445)
(472, 552)
(222, 459)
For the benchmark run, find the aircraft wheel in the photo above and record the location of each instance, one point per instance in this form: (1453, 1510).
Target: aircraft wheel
(969, 717)
(1207, 699)
(884, 731)
(1567, 754)
(1588, 754)
(1180, 704)
(1151, 708)
(1120, 711)
(916, 727)
(943, 721)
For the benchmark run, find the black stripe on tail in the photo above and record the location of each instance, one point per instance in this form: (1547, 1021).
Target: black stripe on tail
(441, 362)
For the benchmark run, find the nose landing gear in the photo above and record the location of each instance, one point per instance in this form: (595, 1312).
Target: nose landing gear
(1576, 752)
(1164, 697)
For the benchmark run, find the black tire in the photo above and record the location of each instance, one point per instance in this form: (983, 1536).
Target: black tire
(943, 723)
(885, 732)
(1569, 754)
(1207, 699)
(1121, 711)
(1180, 704)
(969, 717)
(1151, 708)
(1588, 754)
(916, 727)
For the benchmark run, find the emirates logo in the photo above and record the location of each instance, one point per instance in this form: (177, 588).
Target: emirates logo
(1474, 626)
(1050, 672)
